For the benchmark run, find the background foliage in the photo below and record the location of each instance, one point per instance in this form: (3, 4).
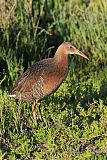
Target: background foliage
(75, 117)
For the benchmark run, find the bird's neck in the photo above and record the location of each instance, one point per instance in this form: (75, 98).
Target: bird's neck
(61, 59)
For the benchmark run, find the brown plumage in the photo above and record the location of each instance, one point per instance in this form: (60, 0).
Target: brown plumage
(44, 77)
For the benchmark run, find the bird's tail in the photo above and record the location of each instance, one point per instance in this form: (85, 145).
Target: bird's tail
(11, 95)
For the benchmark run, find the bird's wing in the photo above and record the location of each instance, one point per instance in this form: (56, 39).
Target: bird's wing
(30, 77)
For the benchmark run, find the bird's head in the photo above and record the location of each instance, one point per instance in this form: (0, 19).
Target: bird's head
(68, 48)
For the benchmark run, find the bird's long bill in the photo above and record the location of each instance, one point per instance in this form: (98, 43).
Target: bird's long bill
(81, 54)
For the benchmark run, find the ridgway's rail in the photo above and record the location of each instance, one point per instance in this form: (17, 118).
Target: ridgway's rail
(44, 77)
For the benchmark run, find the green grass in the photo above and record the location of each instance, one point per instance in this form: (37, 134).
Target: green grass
(75, 117)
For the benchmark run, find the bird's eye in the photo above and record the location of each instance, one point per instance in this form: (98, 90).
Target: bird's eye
(70, 47)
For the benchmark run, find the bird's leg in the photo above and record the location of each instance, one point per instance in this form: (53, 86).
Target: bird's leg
(39, 112)
(34, 113)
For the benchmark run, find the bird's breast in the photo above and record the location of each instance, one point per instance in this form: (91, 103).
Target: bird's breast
(53, 79)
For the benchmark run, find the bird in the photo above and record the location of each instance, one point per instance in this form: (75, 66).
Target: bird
(44, 78)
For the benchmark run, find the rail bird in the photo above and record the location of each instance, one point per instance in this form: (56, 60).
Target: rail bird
(44, 77)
